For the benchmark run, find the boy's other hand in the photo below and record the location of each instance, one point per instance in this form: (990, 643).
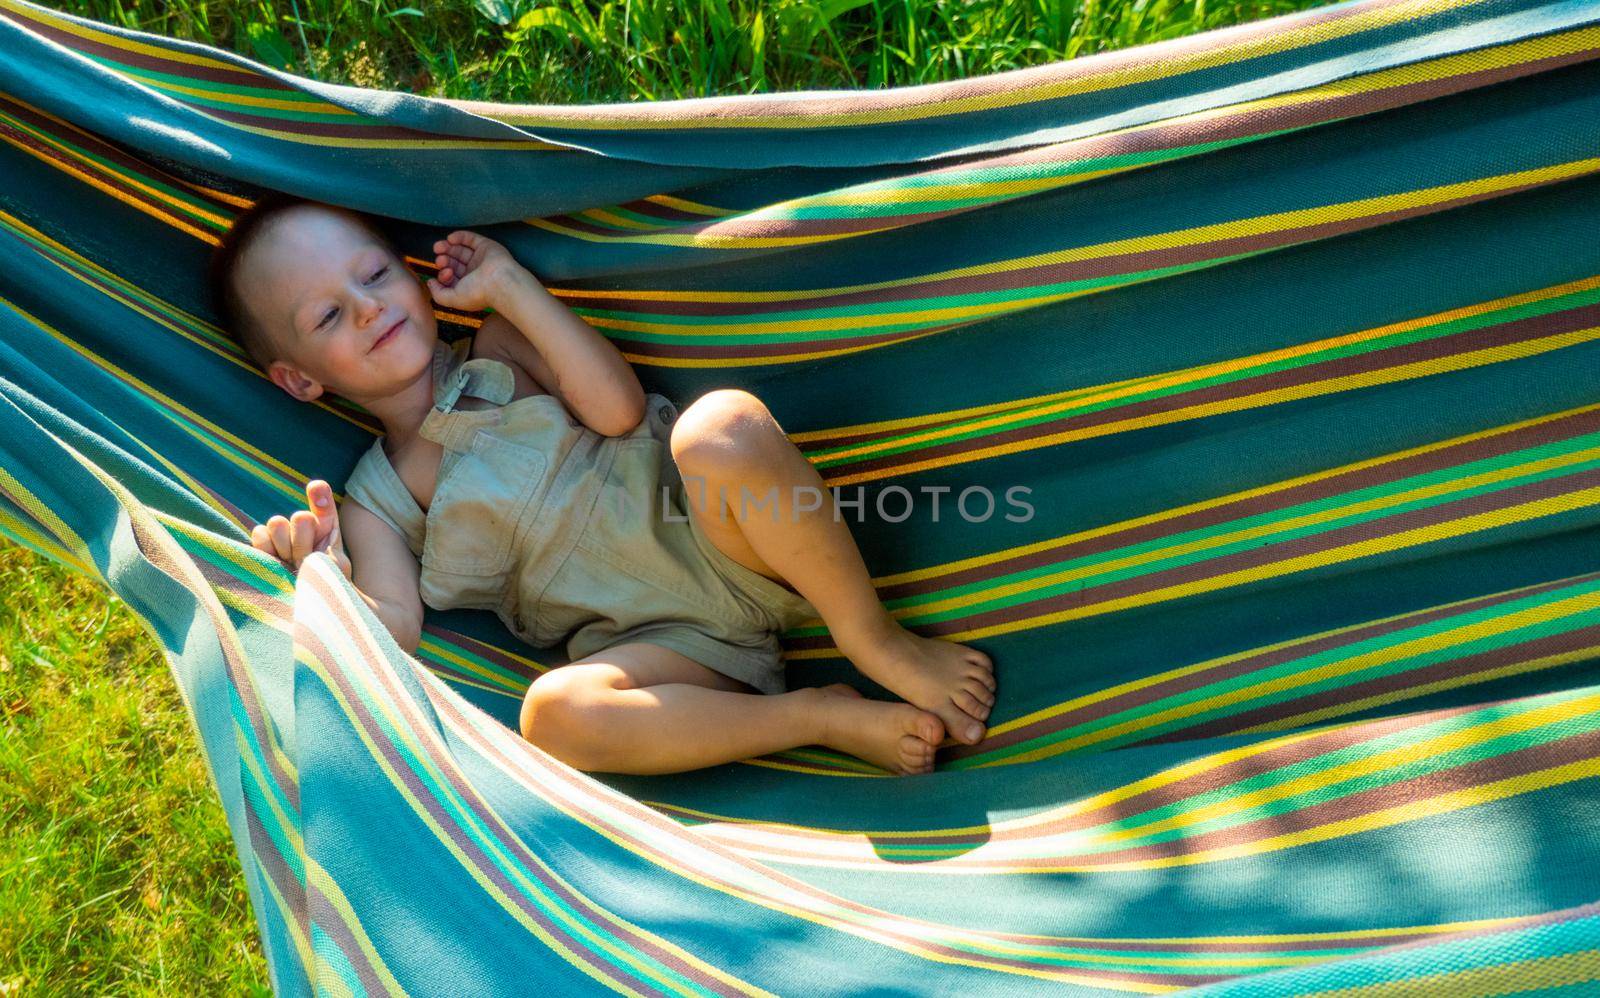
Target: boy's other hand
(471, 267)
(315, 528)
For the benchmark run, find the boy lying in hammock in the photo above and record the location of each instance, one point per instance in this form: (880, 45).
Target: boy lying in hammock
(518, 474)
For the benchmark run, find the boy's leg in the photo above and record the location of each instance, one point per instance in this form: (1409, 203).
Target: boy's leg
(726, 445)
(642, 708)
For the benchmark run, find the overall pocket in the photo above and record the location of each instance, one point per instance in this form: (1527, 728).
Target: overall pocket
(479, 504)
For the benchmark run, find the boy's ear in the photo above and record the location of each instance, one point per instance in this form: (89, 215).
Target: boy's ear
(293, 380)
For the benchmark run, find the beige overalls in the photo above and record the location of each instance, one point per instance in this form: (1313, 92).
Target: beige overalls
(560, 531)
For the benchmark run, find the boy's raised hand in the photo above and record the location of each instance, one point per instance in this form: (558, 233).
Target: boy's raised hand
(470, 268)
(315, 528)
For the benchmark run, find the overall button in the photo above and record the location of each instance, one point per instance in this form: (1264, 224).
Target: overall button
(664, 412)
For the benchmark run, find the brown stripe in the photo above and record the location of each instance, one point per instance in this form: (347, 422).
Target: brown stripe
(664, 212)
(92, 144)
(1434, 348)
(55, 156)
(484, 650)
(1259, 662)
(403, 772)
(319, 128)
(140, 60)
(327, 918)
(1158, 136)
(1186, 788)
(1276, 759)
(449, 770)
(582, 787)
(271, 864)
(719, 351)
(1465, 452)
(1023, 278)
(1579, 639)
(161, 550)
(1270, 552)
(1549, 755)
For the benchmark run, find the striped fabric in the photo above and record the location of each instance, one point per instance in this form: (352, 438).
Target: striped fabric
(1277, 349)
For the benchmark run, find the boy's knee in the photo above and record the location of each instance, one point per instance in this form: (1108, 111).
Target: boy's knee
(560, 715)
(722, 426)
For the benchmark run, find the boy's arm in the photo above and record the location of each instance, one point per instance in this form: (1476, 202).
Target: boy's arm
(389, 579)
(576, 363)
(569, 357)
(384, 572)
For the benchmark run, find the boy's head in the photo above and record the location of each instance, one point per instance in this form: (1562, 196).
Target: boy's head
(319, 298)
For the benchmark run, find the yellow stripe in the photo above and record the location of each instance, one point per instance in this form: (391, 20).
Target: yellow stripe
(1162, 678)
(684, 204)
(243, 100)
(1411, 692)
(84, 176)
(244, 447)
(1174, 239)
(29, 534)
(1012, 840)
(1049, 405)
(361, 647)
(319, 878)
(1455, 528)
(1339, 668)
(40, 16)
(127, 177)
(810, 904)
(1066, 540)
(1313, 518)
(1497, 979)
(878, 194)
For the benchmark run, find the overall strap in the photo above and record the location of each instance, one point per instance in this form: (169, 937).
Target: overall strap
(455, 376)
(377, 486)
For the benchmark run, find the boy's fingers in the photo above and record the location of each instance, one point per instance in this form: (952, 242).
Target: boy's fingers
(302, 534)
(260, 539)
(278, 531)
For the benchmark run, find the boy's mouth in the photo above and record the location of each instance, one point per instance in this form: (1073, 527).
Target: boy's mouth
(388, 335)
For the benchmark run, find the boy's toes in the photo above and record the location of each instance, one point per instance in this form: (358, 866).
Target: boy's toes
(972, 705)
(980, 692)
(916, 755)
(962, 726)
(929, 728)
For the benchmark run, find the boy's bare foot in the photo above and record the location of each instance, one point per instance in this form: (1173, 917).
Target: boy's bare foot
(953, 681)
(895, 736)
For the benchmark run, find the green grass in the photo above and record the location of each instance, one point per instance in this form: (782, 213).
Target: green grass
(117, 873)
(564, 51)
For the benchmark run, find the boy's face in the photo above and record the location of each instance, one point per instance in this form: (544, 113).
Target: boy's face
(346, 314)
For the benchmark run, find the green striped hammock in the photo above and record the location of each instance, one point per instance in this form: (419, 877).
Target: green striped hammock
(1292, 329)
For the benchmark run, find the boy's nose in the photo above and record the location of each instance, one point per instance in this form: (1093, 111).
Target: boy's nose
(368, 308)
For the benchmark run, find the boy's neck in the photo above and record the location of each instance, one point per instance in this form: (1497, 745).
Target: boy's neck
(403, 412)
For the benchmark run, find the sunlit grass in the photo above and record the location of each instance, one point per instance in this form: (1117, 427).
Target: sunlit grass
(565, 51)
(117, 872)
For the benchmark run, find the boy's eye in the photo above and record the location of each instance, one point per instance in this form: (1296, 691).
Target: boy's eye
(380, 272)
(327, 317)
